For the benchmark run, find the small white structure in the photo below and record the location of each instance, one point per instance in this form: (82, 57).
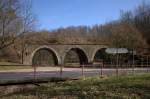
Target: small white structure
(116, 50)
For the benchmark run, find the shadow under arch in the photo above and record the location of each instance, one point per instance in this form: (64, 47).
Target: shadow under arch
(100, 55)
(75, 56)
(44, 57)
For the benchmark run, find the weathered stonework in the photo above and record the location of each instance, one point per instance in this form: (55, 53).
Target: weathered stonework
(60, 51)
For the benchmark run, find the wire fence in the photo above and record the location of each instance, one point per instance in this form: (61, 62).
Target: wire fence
(101, 70)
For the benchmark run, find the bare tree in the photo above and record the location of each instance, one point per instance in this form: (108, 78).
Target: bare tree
(142, 20)
(16, 19)
(126, 35)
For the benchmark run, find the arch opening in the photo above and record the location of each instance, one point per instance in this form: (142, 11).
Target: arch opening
(100, 57)
(44, 57)
(75, 57)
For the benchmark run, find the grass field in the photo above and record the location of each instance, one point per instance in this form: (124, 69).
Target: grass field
(126, 87)
(12, 66)
(8, 63)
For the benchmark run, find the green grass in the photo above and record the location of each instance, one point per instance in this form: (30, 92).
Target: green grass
(12, 66)
(8, 63)
(3, 68)
(126, 87)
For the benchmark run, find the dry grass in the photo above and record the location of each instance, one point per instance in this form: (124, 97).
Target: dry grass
(127, 87)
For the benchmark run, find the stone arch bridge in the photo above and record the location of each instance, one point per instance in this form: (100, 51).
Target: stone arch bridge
(86, 52)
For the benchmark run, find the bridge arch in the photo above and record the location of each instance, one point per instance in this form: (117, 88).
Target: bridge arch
(45, 52)
(97, 53)
(79, 52)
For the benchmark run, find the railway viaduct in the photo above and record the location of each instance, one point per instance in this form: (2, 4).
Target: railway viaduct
(85, 51)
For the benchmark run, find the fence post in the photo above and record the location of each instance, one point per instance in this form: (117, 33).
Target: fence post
(133, 63)
(82, 71)
(61, 70)
(102, 69)
(61, 67)
(34, 72)
(117, 72)
(147, 64)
